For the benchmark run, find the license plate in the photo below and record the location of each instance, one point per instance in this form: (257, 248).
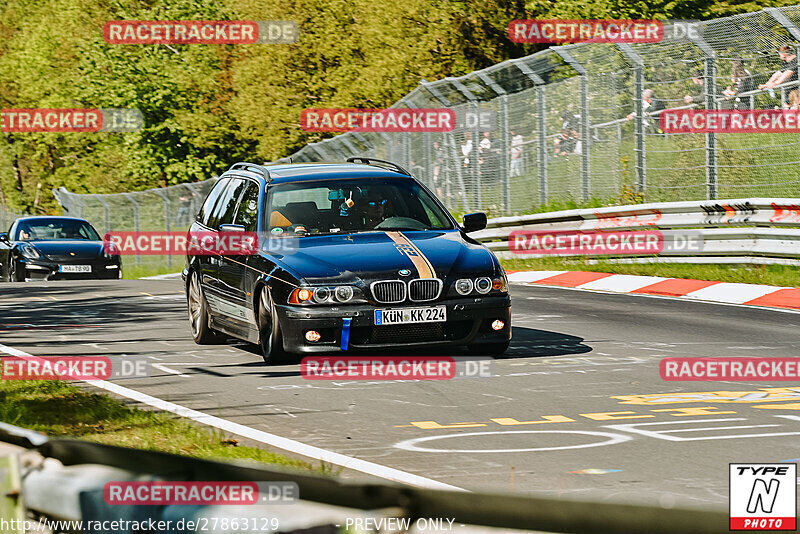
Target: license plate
(74, 268)
(433, 314)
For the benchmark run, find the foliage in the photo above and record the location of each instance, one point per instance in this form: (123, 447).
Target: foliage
(206, 106)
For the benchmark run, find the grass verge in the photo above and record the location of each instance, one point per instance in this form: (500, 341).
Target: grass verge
(63, 409)
(132, 271)
(775, 275)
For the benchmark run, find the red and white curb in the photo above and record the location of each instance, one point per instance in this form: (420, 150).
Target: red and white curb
(704, 290)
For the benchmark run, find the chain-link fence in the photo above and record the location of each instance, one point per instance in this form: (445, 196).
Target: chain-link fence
(8, 216)
(579, 123)
(575, 123)
(169, 208)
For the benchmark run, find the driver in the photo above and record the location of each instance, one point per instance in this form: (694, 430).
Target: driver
(375, 210)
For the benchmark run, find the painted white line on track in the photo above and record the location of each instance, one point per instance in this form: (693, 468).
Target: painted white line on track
(663, 297)
(286, 444)
(532, 276)
(170, 276)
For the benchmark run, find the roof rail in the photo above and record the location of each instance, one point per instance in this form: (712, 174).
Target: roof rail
(252, 167)
(376, 162)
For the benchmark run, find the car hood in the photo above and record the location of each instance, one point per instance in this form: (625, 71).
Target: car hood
(68, 249)
(381, 255)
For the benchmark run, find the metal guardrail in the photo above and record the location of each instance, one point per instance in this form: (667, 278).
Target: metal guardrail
(760, 230)
(492, 510)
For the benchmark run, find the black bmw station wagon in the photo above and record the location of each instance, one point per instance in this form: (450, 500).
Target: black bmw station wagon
(361, 257)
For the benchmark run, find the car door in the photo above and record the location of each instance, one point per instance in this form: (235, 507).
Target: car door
(230, 305)
(233, 267)
(207, 265)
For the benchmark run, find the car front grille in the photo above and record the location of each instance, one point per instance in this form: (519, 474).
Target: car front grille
(424, 289)
(389, 291)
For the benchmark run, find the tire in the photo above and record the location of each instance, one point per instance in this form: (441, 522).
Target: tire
(198, 314)
(494, 349)
(270, 337)
(13, 276)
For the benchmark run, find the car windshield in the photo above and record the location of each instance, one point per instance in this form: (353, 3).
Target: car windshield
(47, 229)
(358, 205)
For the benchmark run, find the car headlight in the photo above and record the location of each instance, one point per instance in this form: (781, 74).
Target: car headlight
(29, 251)
(483, 285)
(326, 295)
(464, 286)
(344, 293)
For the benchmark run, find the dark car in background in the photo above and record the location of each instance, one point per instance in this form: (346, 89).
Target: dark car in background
(55, 248)
(359, 257)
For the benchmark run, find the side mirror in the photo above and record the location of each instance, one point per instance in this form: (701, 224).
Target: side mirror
(4, 237)
(474, 222)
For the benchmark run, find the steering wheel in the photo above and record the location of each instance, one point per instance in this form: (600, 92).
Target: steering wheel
(402, 222)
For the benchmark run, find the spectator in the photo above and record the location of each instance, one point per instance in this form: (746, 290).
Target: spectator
(697, 80)
(741, 82)
(650, 105)
(787, 74)
(516, 155)
(486, 157)
(466, 148)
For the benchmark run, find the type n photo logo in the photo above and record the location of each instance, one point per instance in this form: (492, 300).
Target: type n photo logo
(763, 496)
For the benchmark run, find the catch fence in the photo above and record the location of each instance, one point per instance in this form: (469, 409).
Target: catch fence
(565, 127)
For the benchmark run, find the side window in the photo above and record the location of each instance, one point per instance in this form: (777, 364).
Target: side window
(228, 202)
(211, 199)
(248, 208)
(222, 202)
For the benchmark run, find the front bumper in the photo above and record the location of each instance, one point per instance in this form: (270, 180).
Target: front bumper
(468, 321)
(41, 269)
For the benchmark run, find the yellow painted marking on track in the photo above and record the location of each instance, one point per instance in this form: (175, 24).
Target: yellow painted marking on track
(433, 425)
(693, 410)
(510, 421)
(52, 297)
(792, 406)
(148, 294)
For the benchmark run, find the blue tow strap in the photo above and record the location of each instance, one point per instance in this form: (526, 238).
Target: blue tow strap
(346, 332)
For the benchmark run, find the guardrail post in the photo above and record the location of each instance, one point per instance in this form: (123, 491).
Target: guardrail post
(541, 126)
(638, 90)
(710, 90)
(166, 218)
(476, 139)
(105, 208)
(129, 196)
(505, 155)
(452, 146)
(583, 76)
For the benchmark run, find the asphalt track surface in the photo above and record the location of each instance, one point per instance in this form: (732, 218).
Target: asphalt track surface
(578, 390)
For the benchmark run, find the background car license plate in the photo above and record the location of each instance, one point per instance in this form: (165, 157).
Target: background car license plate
(74, 268)
(433, 314)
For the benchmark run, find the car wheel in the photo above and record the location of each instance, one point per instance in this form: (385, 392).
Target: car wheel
(198, 314)
(494, 349)
(12, 271)
(269, 330)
